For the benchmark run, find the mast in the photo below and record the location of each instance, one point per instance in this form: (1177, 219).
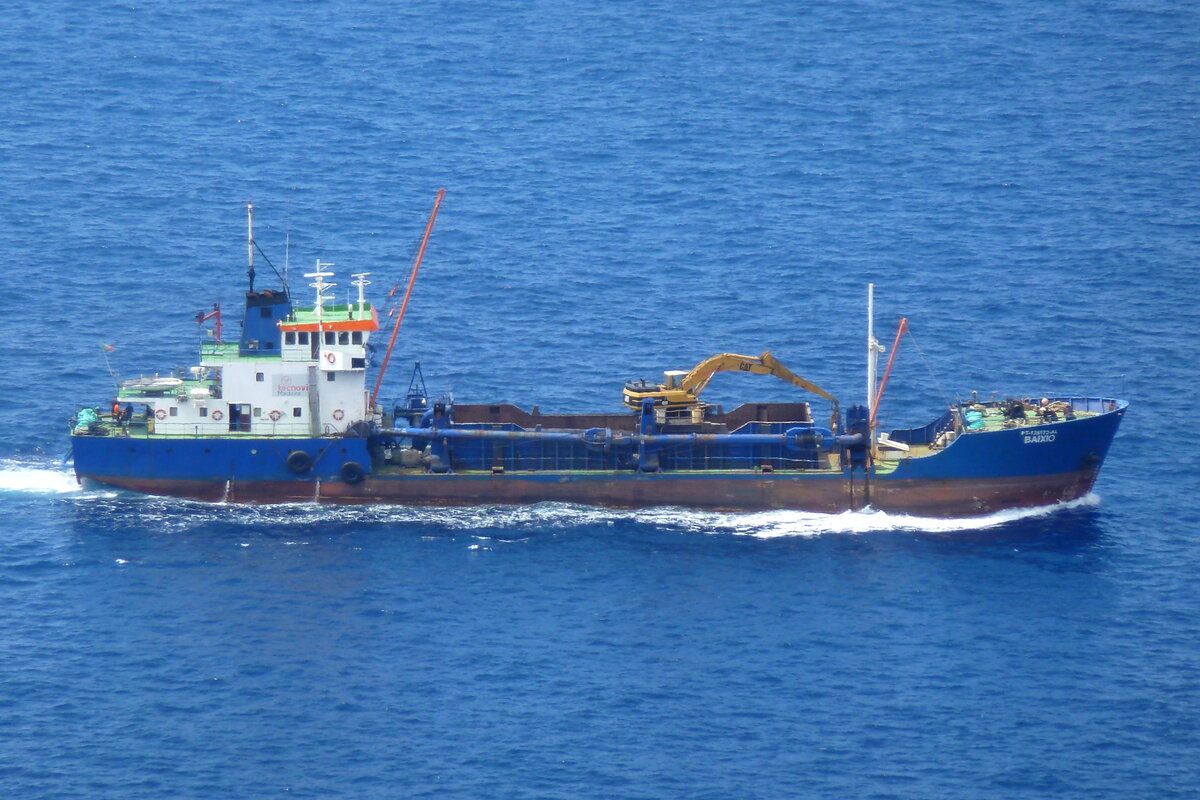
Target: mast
(250, 243)
(873, 351)
(871, 345)
(322, 287)
(360, 280)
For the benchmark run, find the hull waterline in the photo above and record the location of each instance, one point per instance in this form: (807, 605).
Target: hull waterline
(933, 498)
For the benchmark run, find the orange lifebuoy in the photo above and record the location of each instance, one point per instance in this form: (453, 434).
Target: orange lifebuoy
(217, 416)
(338, 414)
(330, 357)
(161, 413)
(274, 415)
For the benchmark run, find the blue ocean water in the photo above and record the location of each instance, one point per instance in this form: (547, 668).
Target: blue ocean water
(630, 187)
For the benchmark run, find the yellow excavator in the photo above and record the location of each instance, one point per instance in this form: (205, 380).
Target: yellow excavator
(680, 392)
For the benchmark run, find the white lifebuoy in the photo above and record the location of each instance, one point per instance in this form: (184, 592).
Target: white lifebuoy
(330, 357)
(274, 415)
(217, 416)
(338, 414)
(160, 414)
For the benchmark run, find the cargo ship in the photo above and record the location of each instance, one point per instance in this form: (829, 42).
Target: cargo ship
(284, 415)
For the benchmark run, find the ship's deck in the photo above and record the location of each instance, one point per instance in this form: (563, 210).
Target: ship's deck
(993, 418)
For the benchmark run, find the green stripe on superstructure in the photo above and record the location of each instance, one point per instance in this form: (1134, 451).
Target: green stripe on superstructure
(228, 351)
(337, 313)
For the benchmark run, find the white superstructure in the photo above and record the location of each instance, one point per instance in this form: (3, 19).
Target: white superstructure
(295, 372)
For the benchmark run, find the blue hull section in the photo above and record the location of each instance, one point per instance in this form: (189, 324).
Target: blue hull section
(104, 458)
(1024, 451)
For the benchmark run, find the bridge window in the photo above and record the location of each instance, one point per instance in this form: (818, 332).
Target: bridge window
(356, 337)
(289, 337)
(303, 337)
(328, 337)
(343, 337)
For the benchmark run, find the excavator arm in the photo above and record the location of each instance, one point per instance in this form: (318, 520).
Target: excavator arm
(697, 379)
(783, 373)
(688, 390)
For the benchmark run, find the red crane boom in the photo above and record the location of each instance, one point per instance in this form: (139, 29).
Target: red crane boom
(412, 279)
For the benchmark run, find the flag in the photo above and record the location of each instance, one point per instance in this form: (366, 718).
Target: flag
(108, 348)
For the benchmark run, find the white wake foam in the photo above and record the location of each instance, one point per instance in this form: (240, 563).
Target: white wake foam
(761, 524)
(30, 479)
(772, 524)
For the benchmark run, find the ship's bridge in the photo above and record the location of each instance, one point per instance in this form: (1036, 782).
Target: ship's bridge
(335, 336)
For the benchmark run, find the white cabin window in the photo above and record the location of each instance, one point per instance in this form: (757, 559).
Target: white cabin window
(258, 376)
(328, 337)
(356, 337)
(289, 337)
(343, 337)
(174, 411)
(296, 412)
(331, 376)
(203, 411)
(257, 411)
(303, 337)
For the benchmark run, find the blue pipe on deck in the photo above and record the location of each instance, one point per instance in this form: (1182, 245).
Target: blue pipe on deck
(483, 433)
(794, 438)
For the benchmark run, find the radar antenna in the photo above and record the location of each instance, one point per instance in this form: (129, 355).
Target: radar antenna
(360, 280)
(321, 286)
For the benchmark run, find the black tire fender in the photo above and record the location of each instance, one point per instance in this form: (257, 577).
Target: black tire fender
(299, 462)
(353, 472)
